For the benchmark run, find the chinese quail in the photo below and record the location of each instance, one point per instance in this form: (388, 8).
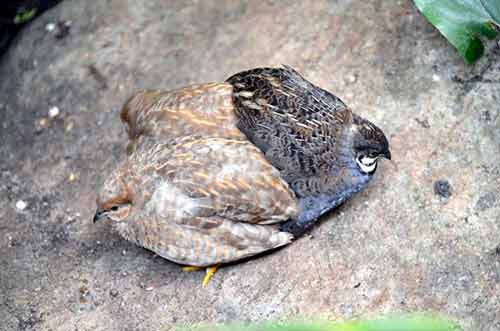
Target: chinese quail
(223, 171)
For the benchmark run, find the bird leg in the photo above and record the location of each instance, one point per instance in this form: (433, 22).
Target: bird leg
(190, 268)
(209, 274)
(210, 271)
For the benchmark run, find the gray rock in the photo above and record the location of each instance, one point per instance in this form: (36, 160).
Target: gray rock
(442, 188)
(487, 201)
(409, 251)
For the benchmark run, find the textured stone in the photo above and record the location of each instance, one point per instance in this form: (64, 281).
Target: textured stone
(442, 188)
(408, 249)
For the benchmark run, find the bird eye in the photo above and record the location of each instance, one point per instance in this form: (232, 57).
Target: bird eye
(114, 208)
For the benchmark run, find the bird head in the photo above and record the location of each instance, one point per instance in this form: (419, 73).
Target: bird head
(114, 200)
(369, 144)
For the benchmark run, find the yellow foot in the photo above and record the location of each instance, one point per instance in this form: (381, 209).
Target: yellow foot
(210, 272)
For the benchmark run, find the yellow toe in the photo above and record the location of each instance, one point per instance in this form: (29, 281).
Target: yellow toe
(210, 272)
(191, 268)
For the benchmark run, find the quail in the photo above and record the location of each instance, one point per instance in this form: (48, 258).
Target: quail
(223, 171)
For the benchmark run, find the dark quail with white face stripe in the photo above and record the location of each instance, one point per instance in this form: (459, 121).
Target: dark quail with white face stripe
(322, 150)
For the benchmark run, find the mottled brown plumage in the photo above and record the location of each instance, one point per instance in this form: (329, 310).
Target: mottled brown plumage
(196, 111)
(199, 192)
(214, 170)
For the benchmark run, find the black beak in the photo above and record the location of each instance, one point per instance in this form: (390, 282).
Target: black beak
(385, 150)
(99, 215)
(387, 154)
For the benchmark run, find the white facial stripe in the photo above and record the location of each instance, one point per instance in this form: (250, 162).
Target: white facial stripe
(368, 161)
(367, 164)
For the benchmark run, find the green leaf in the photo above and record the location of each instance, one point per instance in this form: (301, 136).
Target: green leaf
(463, 22)
(493, 8)
(416, 322)
(24, 16)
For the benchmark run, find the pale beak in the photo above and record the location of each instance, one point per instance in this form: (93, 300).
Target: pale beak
(99, 214)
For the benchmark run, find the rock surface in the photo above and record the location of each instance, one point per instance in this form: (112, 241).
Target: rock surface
(396, 247)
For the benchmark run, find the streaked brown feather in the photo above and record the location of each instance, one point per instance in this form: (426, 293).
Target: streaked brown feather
(199, 111)
(203, 194)
(233, 176)
(213, 168)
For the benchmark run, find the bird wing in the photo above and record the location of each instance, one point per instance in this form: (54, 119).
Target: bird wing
(198, 111)
(217, 177)
(295, 123)
(204, 241)
(207, 201)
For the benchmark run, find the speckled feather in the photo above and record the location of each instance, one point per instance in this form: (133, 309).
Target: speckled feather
(220, 172)
(296, 124)
(202, 193)
(307, 133)
(204, 110)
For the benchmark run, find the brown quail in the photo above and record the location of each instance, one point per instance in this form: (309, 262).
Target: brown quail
(223, 171)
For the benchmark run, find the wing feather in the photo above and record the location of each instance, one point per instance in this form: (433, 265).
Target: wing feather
(217, 177)
(295, 123)
(207, 201)
(196, 111)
